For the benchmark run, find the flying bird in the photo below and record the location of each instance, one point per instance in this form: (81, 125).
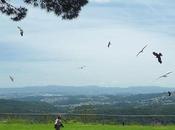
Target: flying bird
(11, 78)
(21, 31)
(169, 93)
(142, 50)
(109, 44)
(82, 67)
(165, 75)
(158, 56)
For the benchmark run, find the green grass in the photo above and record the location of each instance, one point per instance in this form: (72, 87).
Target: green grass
(25, 126)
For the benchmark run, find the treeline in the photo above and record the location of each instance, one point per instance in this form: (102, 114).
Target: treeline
(127, 109)
(13, 106)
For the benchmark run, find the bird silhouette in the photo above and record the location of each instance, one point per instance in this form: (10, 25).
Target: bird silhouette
(142, 50)
(165, 75)
(11, 78)
(21, 31)
(109, 44)
(82, 67)
(169, 93)
(158, 56)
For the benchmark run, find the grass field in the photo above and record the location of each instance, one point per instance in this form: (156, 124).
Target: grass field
(18, 126)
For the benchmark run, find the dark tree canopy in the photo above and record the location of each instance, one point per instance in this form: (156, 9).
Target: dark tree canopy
(67, 9)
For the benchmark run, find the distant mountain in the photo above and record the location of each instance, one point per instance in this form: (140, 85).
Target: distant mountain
(81, 90)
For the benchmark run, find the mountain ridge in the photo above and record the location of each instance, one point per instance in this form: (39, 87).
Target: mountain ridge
(80, 90)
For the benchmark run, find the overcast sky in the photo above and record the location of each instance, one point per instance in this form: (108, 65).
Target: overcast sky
(52, 49)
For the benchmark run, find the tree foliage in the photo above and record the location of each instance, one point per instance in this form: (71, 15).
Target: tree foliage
(67, 9)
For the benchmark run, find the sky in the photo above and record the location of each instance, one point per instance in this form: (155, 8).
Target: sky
(52, 50)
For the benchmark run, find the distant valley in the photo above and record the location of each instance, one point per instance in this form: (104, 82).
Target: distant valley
(96, 100)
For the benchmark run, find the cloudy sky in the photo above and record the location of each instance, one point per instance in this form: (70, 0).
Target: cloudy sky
(52, 49)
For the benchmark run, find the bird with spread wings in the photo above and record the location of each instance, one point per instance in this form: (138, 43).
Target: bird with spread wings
(142, 50)
(21, 31)
(158, 56)
(109, 44)
(11, 78)
(165, 75)
(169, 93)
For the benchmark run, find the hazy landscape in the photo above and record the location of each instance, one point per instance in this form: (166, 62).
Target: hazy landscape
(66, 99)
(87, 64)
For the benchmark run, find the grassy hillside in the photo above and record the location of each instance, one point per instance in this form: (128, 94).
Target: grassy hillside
(81, 127)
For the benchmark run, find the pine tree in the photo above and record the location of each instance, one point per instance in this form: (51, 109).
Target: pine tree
(67, 9)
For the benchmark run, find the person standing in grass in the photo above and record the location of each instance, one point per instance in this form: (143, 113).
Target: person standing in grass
(58, 123)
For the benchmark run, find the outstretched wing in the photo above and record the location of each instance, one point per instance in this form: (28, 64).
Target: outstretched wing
(160, 77)
(165, 75)
(18, 27)
(109, 44)
(155, 54)
(169, 73)
(160, 60)
(160, 54)
(11, 79)
(142, 50)
(144, 47)
(21, 31)
(139, 53)
(169, 93)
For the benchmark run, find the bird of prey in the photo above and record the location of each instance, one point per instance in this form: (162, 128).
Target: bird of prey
(169, 93)
(158, 56)
(11, 78)
(165, 75)
(21, 31)
(109, 44)
(142, 50)
(82, 67)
